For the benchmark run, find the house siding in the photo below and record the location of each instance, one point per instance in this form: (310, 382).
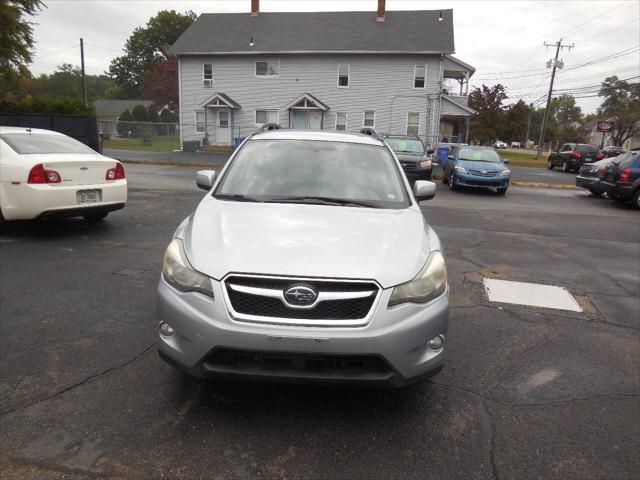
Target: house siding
(383, 83)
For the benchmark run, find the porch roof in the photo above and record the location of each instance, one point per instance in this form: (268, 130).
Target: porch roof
(307, 98)
(457, 110)
(220, 100)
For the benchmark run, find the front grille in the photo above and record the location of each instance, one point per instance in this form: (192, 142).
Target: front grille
(258, 305)
(298, 364)
(409, 165)
(485, 173)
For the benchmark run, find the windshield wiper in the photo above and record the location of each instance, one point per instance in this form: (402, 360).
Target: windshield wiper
(236, 197)
(324, 201)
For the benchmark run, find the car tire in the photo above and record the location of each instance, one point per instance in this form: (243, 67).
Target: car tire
(550, 165)
(565, 166)
(95, 217)
(501, 191)
(635, 199)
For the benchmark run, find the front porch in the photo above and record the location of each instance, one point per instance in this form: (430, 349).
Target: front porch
(219, 125)
(306, 112)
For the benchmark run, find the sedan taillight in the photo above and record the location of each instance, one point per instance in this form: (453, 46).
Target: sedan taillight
(625, 175)
(575, 154)
(600, 156)
(39, 174)
(116, 173)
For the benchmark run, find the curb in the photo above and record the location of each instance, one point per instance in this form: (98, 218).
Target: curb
(170, 163)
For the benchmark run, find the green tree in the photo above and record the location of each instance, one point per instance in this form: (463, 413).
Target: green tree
(124, 125)
(516, 124)
(147, 47)
(139, 113)
(16, 38)
(489, 124)
(622, 103)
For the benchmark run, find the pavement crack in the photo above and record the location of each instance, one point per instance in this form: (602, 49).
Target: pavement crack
(84, 381)
(492, 441)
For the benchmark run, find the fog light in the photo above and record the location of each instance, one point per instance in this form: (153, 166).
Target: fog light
(166, 330)
(436, 343)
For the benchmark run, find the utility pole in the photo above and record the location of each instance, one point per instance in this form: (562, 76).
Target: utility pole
(84, 79)
(555, 65)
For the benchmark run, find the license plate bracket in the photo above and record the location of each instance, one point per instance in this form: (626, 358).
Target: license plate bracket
(89, 196)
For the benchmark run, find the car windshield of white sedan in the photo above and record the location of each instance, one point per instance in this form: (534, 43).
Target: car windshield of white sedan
(479, 155)
(38, 143)
(405, 145)
(319, 172)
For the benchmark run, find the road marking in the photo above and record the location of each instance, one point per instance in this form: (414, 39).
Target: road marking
(530, 294)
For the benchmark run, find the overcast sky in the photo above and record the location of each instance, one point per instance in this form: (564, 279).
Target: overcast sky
(501, 39)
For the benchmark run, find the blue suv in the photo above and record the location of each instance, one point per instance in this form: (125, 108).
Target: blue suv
(475, 167)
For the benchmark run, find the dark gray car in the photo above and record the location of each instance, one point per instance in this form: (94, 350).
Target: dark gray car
(412, 156)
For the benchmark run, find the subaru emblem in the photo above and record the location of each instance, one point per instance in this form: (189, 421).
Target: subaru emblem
(300, 295)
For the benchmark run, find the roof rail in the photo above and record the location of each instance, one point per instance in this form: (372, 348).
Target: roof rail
(370, 131)
(267, 127)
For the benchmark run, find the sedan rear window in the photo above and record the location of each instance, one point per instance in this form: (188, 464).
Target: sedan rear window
(43, 143)
(588, 149)
(274, 170)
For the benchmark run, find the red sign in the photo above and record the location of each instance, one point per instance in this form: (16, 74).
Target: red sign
(605, 126)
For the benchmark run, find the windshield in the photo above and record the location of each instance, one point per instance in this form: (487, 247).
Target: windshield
(405, 145)
(36, 143)
(310, 171)
(479, 155)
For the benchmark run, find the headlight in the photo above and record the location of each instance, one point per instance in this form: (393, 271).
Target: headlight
(425, 163)
(460, 169)
(178, 272)
(430, 283)
(505, 173)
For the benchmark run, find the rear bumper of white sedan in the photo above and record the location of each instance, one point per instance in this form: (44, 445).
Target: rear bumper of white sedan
(28, 201)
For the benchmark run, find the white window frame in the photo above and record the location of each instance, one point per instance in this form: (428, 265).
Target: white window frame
(414, 77)
(419, 121)
(345, 121)
(204, 75)
(255, 69)
(348, 76)
(364, 117)
(255, 115)
(204, 121)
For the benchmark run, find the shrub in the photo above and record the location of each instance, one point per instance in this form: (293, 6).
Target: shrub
(45, 105)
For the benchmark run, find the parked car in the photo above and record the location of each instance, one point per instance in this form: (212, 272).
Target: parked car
(571, 156)
(307, 260)
(591, 174)
(45, 174)
(499, 144)
(612, 151)
(412, 155)
(476, 167)
(622, 178)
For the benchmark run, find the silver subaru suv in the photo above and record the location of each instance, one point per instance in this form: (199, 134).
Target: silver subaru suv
(307, 260)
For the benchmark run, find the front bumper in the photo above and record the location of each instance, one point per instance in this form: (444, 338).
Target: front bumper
(418, 174)
(467, 180)
(622, 190)
(396, 336)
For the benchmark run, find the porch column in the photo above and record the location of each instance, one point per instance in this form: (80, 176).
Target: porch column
(466, 128)
(206, 111)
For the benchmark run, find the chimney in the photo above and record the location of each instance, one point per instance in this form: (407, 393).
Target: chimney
(255, 7)
(381, 11)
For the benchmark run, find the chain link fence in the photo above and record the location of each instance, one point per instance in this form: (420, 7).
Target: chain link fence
(149, 136)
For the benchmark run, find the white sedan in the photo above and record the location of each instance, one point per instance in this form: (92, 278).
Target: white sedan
(45, 173)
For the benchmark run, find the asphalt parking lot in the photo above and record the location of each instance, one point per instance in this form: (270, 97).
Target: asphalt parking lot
(526, 392)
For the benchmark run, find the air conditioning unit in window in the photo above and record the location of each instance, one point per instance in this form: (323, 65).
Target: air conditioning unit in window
(207, 83)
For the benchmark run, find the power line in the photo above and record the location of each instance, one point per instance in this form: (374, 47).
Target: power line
(104, 48)
(597, 17)
(57, 51)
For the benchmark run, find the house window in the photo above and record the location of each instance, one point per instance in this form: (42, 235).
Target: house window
(341, 121)
(268, 69)
(413, 123)
(266, 116)
(207, 75)
(369, 119)
(199, 121)
(343, 75)
(419, 75)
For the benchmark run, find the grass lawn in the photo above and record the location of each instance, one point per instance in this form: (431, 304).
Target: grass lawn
(158, 144)
(524, 158)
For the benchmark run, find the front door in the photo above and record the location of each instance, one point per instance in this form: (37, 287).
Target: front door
(301, 119)
(314, 119)
(223, 130)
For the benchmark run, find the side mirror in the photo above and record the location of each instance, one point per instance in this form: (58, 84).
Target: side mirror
(505, 161)
(450, 157)
(205, 179)
(424, 190)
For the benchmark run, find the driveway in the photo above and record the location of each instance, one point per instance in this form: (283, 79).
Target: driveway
(526, 392)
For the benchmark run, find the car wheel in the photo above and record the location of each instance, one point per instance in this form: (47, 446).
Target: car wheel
(452, 182)
(635, 199)
(550, 165)
(95, 217)
(565, 166)
(595, 193)
(501, 191)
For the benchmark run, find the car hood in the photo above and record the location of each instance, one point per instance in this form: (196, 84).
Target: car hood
(481, 165)
(410, 157)
(389, 246)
